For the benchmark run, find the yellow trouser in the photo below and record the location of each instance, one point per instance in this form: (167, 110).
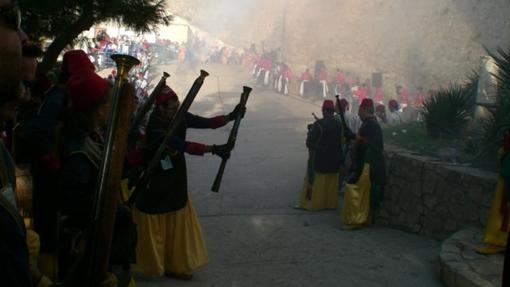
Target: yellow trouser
(324, 192)
(493, 233)
(169, 242)
(356, 207)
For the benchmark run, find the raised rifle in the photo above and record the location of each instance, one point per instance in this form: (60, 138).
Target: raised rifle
(144, 180)
(348, 134)
(142, 112)
(315, 116)
(231, 139)
(92, 266)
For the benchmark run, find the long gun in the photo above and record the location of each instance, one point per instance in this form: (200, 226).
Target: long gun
(231, 139)
(99, 235)
(348, 134)
(144, 182)
(142, 112)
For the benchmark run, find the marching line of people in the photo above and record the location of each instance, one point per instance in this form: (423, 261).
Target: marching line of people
(271, 73)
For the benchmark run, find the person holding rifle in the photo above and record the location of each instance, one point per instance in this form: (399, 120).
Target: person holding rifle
(498, 223)
(325, 142)
(367, 175)
(170, 238)
(82, 145)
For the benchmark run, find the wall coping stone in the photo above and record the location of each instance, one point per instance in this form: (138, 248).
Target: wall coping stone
(391, 150)
(462, 267)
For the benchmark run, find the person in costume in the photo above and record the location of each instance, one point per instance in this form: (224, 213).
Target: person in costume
(305, 87)
(43, 129)
(394, 117)
(170, 238)
(287, 76)
(403, 97)
(366, 180)
(380, 112)
(339, 82)
(81, 151)
(498, 224)
(379, 95)
(325, 145)
(323, 80)
(14, 257)
(18, 246)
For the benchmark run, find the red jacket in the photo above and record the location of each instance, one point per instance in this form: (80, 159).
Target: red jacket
(420, 99)
(340, 78)
(379, 95)
(306, 76)
(287, 73)
(323, 75)
(403, 96)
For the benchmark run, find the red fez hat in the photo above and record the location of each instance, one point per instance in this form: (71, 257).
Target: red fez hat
(86, 89)
(367, 104)
(393, 105)
(75, 62)
(328, 105)
(166, 94)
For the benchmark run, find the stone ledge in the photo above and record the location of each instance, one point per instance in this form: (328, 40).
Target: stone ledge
(434, 198)
(461, 266)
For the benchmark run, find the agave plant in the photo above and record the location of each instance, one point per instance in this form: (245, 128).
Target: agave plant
(471, 88)
(447, 112)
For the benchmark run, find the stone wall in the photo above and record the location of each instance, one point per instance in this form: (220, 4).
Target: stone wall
(433, 198)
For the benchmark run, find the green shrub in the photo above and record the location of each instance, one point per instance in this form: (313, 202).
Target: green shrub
(448, 111)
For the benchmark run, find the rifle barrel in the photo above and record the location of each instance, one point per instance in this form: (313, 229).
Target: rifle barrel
(231, 140)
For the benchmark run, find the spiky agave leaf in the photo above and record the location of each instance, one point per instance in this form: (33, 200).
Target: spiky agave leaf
(447, 112)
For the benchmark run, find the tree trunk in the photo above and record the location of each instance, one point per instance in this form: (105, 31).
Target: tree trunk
(83, 23)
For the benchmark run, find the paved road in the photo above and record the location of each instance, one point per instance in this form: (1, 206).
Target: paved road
(254, 236)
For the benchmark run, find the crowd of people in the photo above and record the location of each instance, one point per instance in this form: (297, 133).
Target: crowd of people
(52, 148)
(270, 72)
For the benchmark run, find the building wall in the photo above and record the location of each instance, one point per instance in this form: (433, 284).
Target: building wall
(420, 42)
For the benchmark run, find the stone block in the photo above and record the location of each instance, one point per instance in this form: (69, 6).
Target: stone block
(484, 267)
(447, 275)
(447, 257)
(450, 246)
(430, 201)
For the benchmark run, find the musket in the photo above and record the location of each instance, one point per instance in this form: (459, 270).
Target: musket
(348, 134)
(144, 180)
(142, 112)
(231, 139)
(315, 116)
(99, 234)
